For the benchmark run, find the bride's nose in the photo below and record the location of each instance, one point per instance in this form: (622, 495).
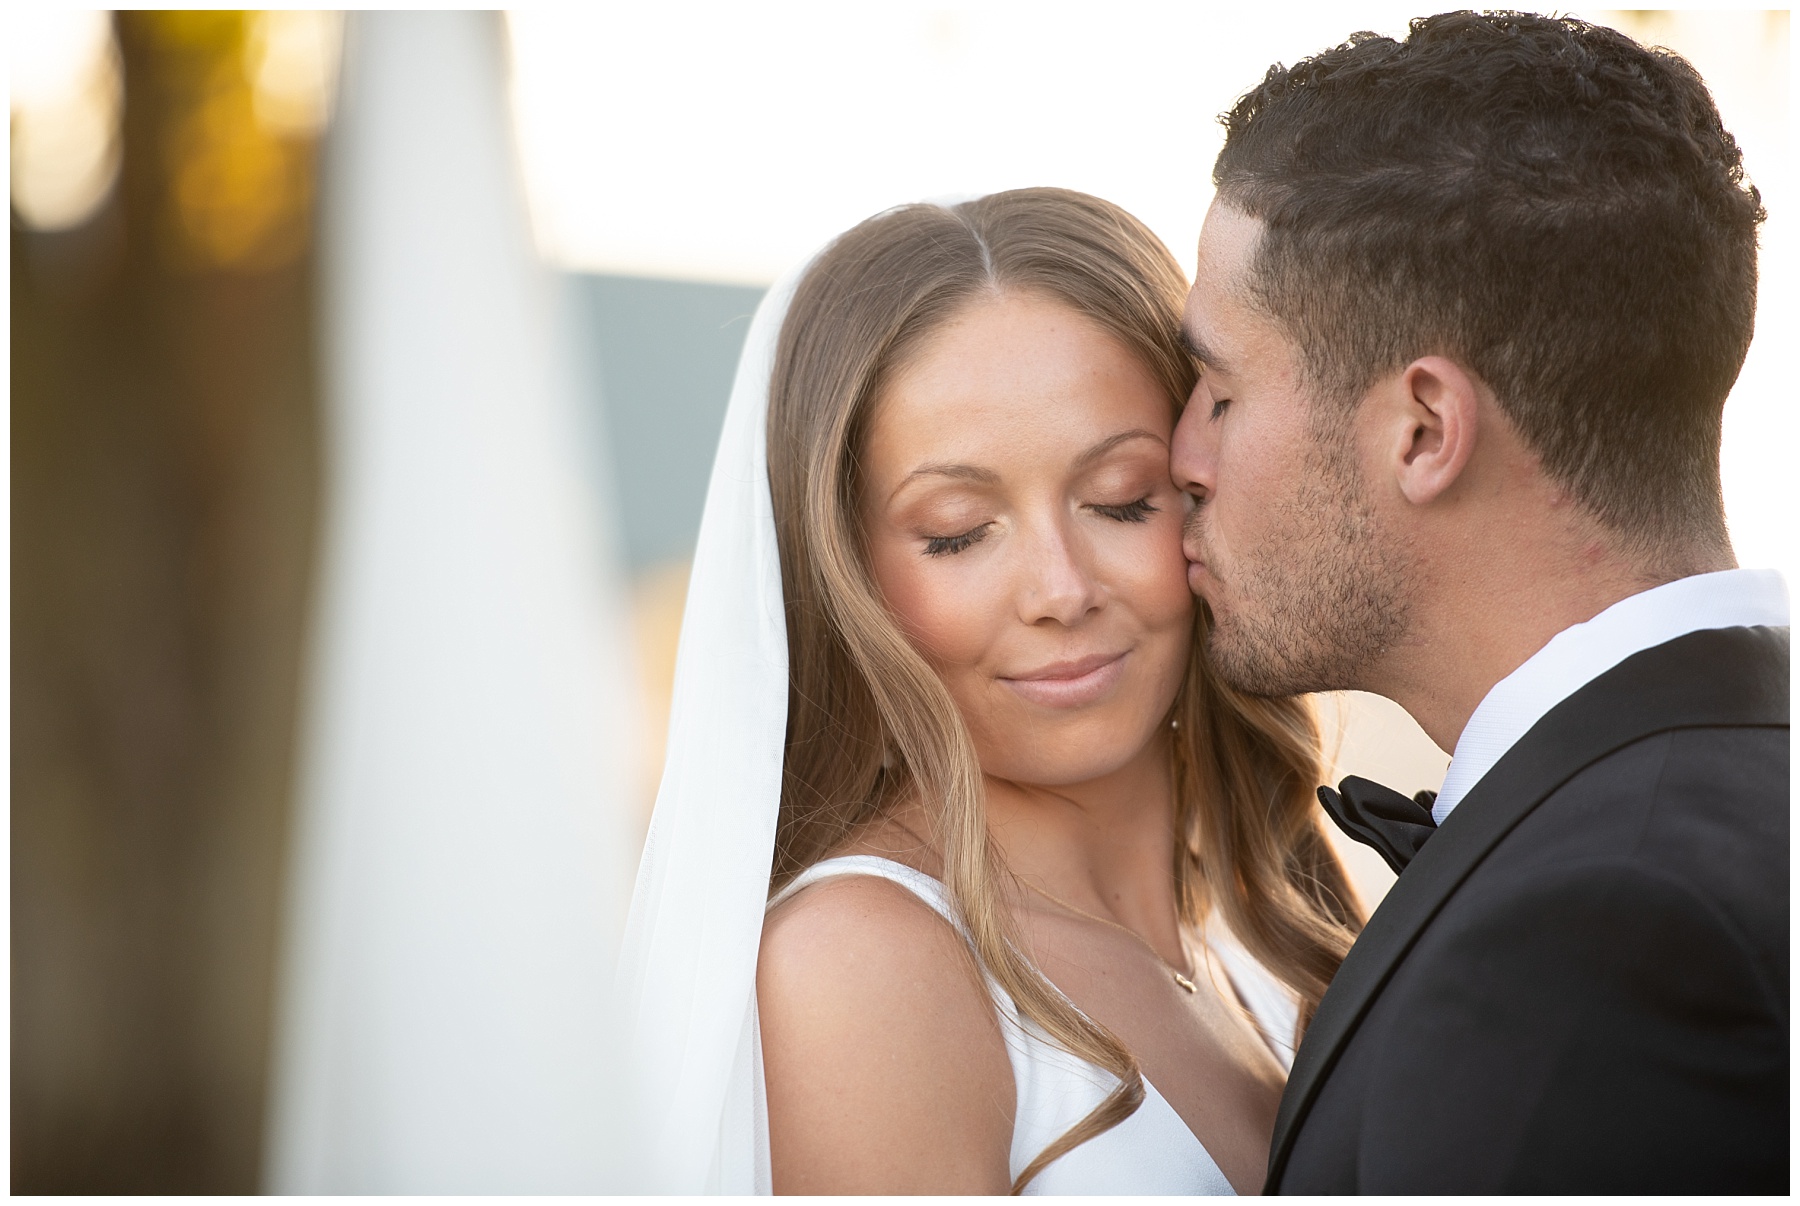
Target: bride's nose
(1056, 582)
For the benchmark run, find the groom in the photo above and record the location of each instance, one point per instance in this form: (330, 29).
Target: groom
(1468, 307)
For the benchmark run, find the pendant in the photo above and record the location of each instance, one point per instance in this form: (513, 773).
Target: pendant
(1185, 982)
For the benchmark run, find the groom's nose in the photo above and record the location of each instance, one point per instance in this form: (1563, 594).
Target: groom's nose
(1194, 452)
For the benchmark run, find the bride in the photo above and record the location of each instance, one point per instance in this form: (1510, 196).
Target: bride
(965, 874)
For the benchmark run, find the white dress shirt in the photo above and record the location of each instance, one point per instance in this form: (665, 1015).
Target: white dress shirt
(1581, 653)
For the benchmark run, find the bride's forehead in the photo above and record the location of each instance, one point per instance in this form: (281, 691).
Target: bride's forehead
(1006, 332)
(1032, 373)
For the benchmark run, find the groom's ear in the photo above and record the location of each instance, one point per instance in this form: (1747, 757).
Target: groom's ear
(1429, 424)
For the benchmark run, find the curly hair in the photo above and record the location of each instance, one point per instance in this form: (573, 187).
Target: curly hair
(1543, 200)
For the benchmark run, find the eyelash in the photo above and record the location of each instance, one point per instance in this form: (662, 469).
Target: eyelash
(1219, 407)
(949, 546)
(1131, 512)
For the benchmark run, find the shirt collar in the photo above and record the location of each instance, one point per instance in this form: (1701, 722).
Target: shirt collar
(1581, 653)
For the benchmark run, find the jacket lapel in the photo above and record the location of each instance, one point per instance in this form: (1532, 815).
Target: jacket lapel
(1726, 676)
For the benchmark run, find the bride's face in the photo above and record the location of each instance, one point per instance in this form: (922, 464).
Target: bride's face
(1023, 528)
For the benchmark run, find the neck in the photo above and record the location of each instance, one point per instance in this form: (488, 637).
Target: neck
(1106, 845)
(1482, 614)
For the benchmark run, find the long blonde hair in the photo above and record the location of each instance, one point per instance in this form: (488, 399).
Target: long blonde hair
(870, 723)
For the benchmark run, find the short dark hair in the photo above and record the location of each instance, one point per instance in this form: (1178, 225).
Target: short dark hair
(1545, 201)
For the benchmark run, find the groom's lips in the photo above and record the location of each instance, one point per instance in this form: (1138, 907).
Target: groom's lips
(1198, 576)
(1190, 544)
(1069, 684)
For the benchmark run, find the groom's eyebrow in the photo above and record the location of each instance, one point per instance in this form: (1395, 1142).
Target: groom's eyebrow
(1198, 349)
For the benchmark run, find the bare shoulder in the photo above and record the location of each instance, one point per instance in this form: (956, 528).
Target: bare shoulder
(870, 949)
(885, 1065)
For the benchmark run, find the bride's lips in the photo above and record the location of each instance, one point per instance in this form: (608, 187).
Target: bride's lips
(1069, 684)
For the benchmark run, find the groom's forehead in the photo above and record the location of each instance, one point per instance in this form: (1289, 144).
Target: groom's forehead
(1217, 309)
(1228, 241)
(1197, 333)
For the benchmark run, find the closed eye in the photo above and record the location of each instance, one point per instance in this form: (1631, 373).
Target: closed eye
(947, 546)
(1219, 407)
(1131, 512)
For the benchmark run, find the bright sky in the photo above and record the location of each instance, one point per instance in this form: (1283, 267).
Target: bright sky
(727, 142)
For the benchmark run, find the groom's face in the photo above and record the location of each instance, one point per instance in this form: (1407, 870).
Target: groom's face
(1284, 542)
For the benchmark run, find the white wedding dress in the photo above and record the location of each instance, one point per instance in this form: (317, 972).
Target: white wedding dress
(687, 966)
(1151, 1152)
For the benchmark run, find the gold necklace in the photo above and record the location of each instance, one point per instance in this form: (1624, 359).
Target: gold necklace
(1174, 971)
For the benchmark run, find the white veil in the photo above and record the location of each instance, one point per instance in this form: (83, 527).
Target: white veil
(687, 968)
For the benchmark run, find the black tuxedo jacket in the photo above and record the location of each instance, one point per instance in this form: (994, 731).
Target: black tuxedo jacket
(1580, 985)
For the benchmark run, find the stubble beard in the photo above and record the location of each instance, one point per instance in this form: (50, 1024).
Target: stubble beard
(1320, 601)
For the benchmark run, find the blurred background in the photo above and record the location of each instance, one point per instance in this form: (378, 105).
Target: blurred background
(313, 315)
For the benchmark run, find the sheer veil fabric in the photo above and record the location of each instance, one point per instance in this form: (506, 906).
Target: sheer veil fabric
(687, 967)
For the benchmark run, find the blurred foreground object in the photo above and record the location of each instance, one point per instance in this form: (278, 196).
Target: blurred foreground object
(240, 188)
(292, 58)
(164, 477)
(66, 100)
(461, 860)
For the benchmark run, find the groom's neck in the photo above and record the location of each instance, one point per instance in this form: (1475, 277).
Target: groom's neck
(1494, 592)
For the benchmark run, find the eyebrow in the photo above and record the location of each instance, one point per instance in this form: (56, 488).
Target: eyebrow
(965, 473)
(1111, 442)
(987, 477)
(1199, 351)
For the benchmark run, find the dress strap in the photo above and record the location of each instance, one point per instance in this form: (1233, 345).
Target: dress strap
(927, 889)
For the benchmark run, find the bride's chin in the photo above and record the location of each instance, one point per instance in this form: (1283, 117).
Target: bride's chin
(1066, 760)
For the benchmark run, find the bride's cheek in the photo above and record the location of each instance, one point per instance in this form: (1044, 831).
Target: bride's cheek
(1150, 561)
(937, 609)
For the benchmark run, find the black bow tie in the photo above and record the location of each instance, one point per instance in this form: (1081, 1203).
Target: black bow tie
(1381, 817)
